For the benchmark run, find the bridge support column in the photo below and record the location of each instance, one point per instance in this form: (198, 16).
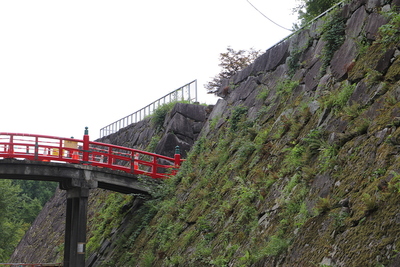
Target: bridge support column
(75, 227)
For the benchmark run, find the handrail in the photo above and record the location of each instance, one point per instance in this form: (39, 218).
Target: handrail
(188, 92)
(69, 150)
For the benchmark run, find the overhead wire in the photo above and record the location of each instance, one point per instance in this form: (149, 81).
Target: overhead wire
(267, 17)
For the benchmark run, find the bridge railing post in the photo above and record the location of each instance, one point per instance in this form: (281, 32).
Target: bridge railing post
(85, 154)
(154, 167)
(177, 158)
(11, 146)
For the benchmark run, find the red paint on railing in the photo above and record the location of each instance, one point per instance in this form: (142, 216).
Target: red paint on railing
(69, 150)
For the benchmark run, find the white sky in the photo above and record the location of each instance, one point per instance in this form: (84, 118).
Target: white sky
(65, 65)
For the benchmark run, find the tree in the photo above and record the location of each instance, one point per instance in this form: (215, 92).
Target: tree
(309, 9)
(231, 62)
(20, 203)
(42, 190)
(11, 229)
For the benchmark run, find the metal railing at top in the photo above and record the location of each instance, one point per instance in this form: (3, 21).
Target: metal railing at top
(308, 23)
(69, 150)
(188, 93)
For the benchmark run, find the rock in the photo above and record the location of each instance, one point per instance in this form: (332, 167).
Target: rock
(342, 58)
(272, 58)
(312, 77)
(374, 21)
(355, 23)
(193, 112)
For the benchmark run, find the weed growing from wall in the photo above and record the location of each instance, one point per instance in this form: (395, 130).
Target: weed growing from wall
(394, 183)
(323, 205)
(294, 158)
(263, 94)
(286, 87)
(389, 33)
(293, 61)
(333, 33)
(237, 115)
(337, 100)
(158, 116)
(108, 218)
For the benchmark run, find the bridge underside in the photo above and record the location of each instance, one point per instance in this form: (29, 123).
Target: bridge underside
(76, 180)
(73, 175)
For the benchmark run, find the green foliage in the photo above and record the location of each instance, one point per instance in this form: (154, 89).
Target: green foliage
(245, 150)
(370, 202)
(333, 34)
(293, 61)
(11, 226)
(263, 94)
(107, 219)
(286, 87)
(237, 115)
(30, 208)
(314, 140)
(323, 205)
(41, 190)
(394, 183)
(276, 245)
(328, 155)
(339, 218)
(337, 99)
(148, 259)
(353, 111)
(294, 158)
(158, 116)
(153, 143)
(389, 33)
(20, 203)
(309, 9)
(214, 121)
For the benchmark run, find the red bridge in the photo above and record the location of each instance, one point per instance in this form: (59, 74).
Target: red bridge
(69, 150)
(78, 166)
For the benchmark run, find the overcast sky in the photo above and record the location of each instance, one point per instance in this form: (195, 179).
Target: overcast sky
(65, 65)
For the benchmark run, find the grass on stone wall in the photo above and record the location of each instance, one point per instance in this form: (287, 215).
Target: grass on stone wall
(337, 99)
(108, 218)
(252, 169)
(388, 34)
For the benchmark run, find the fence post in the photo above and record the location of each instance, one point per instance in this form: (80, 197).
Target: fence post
(85, 156)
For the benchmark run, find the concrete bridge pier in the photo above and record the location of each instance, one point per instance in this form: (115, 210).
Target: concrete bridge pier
(75, 227)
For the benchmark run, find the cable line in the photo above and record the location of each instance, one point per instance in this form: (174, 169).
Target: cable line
(267, 17)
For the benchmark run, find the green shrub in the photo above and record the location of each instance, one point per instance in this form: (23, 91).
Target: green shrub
(158, 116)
(263, 94)
(286, 87)
(237, 115)
(337, 99)
(276, 245)
(323, 205)
(148, 259)
(389, 33)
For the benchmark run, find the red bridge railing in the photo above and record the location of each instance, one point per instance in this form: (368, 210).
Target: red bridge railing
(70, 150)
